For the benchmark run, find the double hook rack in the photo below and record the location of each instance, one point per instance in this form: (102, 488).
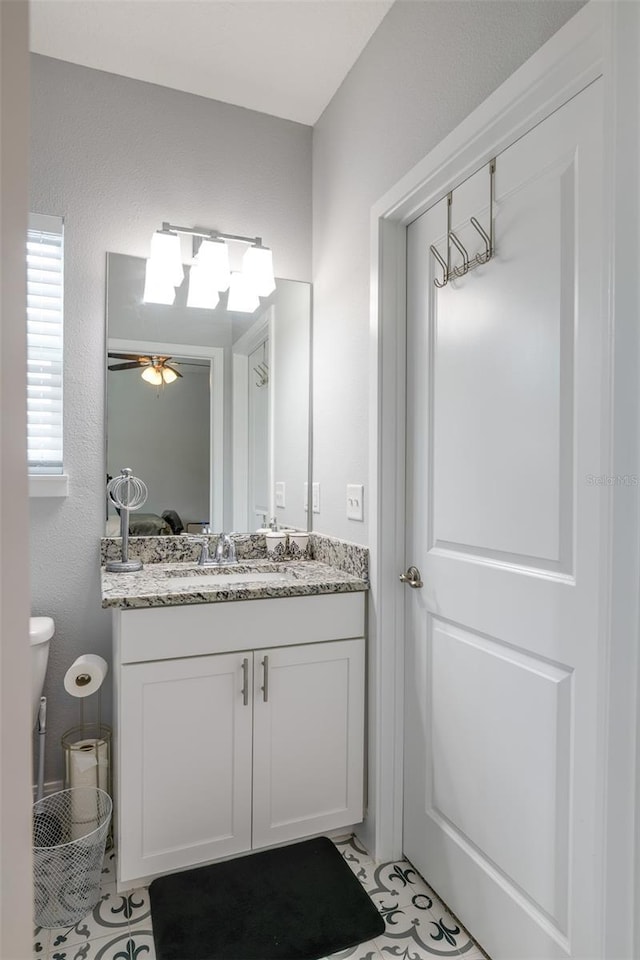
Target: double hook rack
(262, 372)
(468, 263)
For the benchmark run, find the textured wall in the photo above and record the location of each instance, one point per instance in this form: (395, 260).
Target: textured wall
(116, 157)
(427, 66)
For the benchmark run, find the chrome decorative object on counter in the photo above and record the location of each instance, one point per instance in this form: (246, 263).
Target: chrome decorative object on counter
(126, 493)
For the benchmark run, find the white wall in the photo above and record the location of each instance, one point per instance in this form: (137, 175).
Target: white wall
(425, 68)
(15, 667)
(116, 157)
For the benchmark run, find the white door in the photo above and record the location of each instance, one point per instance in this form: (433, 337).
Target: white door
(309, 739)
(505, 437)
(259, 418)
(185, 769)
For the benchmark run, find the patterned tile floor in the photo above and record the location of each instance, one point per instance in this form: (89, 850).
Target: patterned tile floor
(418, 925)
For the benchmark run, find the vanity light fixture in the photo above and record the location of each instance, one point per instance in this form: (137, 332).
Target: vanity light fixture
(210, 273)
(202, 287)
(257, 267)
(157, 288)
(243, 296)
(166, 254)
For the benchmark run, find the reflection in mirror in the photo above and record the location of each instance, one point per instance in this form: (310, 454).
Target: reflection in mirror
(209, 408)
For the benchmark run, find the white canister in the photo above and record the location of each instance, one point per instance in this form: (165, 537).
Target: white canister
(299, 547)
(276, 545)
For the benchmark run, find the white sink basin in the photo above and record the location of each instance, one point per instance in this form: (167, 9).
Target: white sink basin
(205, 581)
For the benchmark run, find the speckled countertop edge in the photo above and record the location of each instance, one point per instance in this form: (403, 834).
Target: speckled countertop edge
(348, 557)
(151, 586)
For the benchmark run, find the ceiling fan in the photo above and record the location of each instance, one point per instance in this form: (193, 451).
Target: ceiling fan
(155, 369)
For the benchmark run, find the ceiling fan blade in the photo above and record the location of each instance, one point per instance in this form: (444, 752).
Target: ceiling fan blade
(124, 366)
(131, 356)
(167, 367)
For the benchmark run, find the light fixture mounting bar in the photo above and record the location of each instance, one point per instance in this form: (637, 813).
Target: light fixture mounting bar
(210, 234)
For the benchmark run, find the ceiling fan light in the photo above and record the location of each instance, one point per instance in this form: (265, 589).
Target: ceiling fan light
(242, 295)
(169, 375)
(257, 265)
(157, 288)
(202, 287)
(213, 256)
(166, 253)
(152, 375)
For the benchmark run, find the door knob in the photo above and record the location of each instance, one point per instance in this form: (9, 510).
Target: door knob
(412, 577)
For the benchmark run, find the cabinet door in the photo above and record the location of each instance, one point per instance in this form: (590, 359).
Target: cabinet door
(185, 763)
(308, 739)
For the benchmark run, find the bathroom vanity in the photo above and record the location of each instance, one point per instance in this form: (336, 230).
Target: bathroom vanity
(239, 709)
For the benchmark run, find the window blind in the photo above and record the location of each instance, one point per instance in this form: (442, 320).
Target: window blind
(44, 344)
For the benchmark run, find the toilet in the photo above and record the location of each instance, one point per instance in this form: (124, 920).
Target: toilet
(40, 633)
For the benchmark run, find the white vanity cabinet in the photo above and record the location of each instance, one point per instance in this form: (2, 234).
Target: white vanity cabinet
(245, 730)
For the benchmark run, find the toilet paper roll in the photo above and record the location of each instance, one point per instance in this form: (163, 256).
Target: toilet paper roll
(85, 675)
(88, 766)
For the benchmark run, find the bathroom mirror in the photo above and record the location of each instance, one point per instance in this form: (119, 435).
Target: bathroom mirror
(223, 440)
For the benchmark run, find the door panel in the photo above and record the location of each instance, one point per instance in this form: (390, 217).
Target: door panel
(490, 496)
(186, 772)
(504, 427)
(308, 740)
(519, 686)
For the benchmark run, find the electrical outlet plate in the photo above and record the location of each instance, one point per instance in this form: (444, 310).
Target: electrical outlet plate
(306, 497)
(355, 501)
(280, 494)
(315, 497)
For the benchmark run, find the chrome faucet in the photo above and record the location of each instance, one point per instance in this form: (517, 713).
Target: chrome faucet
(225, 545)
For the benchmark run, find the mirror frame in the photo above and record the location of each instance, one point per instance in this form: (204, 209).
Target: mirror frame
(215, 356)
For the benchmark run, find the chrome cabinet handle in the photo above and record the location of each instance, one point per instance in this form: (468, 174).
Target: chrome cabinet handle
(265, 687)
(245, 681)
(412, 577)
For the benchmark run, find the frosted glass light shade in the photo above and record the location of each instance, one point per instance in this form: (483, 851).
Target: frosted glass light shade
(166, 254)
(152, 375)
(242, 295)
(213, 256)
(157, 288)
(169, 375)
(203, 291)
(257, 266)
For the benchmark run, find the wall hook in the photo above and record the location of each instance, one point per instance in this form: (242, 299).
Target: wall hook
(460, 271)
(449, 273)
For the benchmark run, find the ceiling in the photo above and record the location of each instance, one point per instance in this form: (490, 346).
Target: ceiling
(282, 57)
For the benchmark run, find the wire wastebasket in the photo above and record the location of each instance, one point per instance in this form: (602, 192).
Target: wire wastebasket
(69, 836)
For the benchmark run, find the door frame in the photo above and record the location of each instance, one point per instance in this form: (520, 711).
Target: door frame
(602, 39)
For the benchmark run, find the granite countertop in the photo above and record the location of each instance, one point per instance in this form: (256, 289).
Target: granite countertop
(171, 584)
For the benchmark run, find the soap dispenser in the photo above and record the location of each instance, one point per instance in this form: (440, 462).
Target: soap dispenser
(265, 528)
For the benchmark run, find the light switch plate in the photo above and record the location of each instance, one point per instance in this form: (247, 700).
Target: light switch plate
(306, 497)
(315, 497)
(355, 501)
(280, 501)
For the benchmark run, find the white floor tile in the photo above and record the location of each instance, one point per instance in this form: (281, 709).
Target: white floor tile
(41, 938)
(418, 925)
(364, 951)
(125, 945)
(110, 914)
